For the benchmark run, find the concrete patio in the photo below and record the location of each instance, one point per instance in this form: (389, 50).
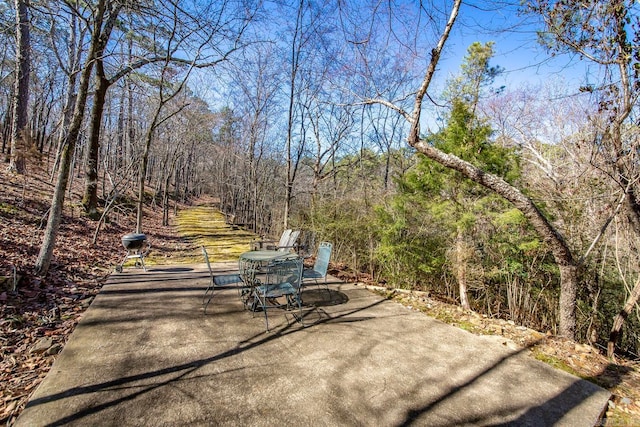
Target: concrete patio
(145, 354)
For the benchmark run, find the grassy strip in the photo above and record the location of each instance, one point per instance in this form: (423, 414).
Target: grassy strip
(205, 226)
(198, 226)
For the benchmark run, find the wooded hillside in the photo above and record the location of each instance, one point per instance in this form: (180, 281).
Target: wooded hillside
(519, 202)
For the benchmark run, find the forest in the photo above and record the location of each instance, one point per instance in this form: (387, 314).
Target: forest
(517, 200)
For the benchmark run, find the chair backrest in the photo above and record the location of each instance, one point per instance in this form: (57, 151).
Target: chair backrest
(288, 271)
(284, 238)
(322, 258)
(292, 238)
(206, 259)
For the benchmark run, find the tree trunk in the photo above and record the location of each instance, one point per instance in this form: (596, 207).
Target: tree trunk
(6, 128)
(461, 269)
(165, 202)
(21, 94)
(142, 174)
(618, 321)
(99, 36)
(90, 197)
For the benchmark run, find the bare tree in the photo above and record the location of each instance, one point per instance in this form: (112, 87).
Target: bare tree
(103, 18)
(156, 121)
(257, 83)
(192, 31)
(295, 64)
(606, 33)
(306, 57)
(21, 93)
(331, 125)
(170, 83)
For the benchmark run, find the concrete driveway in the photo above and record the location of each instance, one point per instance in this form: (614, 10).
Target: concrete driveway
(145, 354)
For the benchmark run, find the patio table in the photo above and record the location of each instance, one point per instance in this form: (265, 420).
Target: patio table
(265, 256)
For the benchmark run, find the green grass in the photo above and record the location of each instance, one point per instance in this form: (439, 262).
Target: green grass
(202, 226)
(555, 362)
(205, 226)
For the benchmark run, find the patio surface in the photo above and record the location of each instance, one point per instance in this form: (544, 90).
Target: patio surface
(145, 354)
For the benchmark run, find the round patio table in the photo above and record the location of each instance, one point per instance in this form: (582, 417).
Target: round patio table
(265, 256)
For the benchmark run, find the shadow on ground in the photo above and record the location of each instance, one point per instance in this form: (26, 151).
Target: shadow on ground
(145, 354)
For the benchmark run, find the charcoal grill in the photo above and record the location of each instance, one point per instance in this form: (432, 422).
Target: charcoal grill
(137, 248)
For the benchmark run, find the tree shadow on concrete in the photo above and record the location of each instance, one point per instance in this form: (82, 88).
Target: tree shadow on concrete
(548, 413)
(182, 371)
(572, 396)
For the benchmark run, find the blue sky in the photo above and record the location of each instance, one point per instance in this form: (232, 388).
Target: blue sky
(516, 48)
(525, 62)
(517, 51)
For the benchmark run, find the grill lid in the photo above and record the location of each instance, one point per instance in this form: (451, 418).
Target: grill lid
(133, 241)
(134, 237)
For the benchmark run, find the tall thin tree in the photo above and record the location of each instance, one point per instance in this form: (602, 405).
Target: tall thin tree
(21, 91)
(104, 17)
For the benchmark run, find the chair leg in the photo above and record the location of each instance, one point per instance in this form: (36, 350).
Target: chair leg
(206, 298)
(298, 302)
(208, 301)
(260, 302)
(266, 317)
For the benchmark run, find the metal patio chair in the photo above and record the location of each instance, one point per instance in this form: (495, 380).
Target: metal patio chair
(283, 290)
(290, 243)
(319, 270)
(215, 281)
(270, 243)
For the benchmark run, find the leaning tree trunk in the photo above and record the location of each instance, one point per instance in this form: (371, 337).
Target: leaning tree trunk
(68, 149)
(618, 321)
(562, 254)
(100, 35)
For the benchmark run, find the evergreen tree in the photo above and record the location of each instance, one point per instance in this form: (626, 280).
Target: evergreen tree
(437, 208)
